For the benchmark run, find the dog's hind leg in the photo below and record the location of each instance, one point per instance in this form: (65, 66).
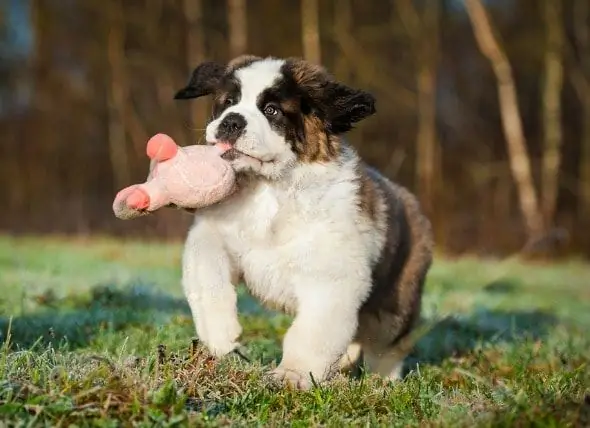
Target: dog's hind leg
(387, 364)
(350, 357)
(382, 355)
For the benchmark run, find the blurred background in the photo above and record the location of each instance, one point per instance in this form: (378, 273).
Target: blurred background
(483, 106)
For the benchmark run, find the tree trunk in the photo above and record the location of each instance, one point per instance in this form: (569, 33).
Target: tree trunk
(426, 80)
(195, 54)
(343, 24)
(552, 87)
(423, 32)
(520, 164)
(310, 30)
(581, 82)
(238, 27)
(585, 163)
(117, 95)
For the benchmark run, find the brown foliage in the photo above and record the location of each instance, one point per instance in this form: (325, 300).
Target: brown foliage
(98, 79)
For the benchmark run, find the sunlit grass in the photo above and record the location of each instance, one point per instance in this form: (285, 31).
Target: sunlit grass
(508, 345)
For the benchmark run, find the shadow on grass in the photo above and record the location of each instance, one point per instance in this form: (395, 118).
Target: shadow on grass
(75, 320)
(454, 337)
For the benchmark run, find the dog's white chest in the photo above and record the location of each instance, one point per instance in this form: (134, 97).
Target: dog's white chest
(284, 240)
(271, 240)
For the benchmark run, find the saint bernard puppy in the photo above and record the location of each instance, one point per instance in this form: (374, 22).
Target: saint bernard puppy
(311, 230)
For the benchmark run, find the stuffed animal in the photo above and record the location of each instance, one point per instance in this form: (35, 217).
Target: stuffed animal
(188, 177)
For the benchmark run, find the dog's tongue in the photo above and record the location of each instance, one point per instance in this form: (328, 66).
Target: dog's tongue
(223, 146)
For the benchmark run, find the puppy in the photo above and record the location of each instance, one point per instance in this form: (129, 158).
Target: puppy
(312, 230)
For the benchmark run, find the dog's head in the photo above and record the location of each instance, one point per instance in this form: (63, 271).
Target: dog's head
(276, 112)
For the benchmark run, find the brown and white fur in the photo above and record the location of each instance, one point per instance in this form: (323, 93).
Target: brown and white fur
(311, 230)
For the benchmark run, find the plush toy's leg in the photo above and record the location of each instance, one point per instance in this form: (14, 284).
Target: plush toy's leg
(150, 196)
(120, 207)
(207, 283)
(138, 199)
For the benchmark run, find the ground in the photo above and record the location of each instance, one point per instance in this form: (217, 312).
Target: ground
(95, 332)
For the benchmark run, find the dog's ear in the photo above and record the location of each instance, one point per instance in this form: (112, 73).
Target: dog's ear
(203, 81)
(339, 105)
(345, 106)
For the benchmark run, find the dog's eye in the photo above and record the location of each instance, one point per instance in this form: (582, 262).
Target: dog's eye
(228, 101)
(270, 110)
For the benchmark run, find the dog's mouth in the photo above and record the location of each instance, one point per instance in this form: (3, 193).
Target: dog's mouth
(231, 153)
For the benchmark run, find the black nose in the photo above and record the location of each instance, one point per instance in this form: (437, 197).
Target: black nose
(231, 127)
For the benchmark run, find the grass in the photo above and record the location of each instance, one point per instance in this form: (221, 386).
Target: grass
(96, 332)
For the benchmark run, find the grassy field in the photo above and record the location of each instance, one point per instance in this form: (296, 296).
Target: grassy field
(97, 333)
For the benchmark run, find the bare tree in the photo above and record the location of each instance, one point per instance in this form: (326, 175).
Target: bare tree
(518, 155)
(343, 24)
(195, 54)
(552, 87)
(117, 94)
(310, 30)
(40, 58)
(238, 27)
(422, 29)
(580, 77)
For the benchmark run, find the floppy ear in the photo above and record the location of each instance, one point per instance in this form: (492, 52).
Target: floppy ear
(340, 106)
(203, 81)
(345, 106)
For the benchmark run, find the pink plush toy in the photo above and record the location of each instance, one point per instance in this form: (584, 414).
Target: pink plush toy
(188, 177)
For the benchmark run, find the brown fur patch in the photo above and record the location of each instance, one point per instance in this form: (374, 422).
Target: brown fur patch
(393, 306)
(310, 76)
(290, 106)
(319, 145)
(368, 194)
(220, 97)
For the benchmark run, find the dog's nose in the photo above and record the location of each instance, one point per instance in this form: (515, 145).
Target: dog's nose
(231, 127)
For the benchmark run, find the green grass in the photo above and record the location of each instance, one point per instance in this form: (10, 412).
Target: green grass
(82, 321)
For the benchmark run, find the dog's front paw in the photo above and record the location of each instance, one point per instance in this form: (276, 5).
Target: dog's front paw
(223, 338)
(291, 378)
(222, 349)
(238, 355)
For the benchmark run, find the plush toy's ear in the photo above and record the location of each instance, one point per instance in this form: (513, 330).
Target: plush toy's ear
(203, 81)
(345, 106)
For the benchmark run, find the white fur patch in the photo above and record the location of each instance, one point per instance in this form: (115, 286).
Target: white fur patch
(259, 140)
(256, 77)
